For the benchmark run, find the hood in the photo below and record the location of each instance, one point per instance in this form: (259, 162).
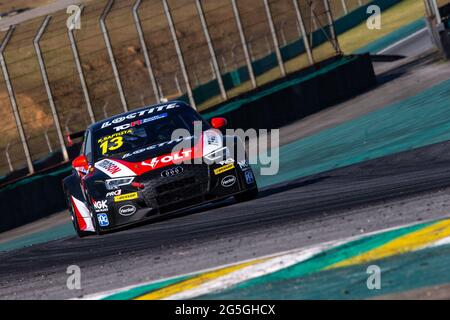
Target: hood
(143, 160)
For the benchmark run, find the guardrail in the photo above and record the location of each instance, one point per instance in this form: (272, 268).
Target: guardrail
(80, 65)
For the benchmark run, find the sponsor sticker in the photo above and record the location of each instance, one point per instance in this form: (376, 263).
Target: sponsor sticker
(139, 122)
(139, 114)
(228, 181)
(114, 193)
(127, 210)
(155, 146)
(223, 169)
(227, 161)
(249, 177)
(100, 206)
(243, 164)
(125, 197)
(177, 157)
(103, 219)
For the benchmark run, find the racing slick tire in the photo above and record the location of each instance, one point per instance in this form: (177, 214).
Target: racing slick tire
(247, 195)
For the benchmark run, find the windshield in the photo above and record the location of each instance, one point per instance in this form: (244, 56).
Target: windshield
(145, 131)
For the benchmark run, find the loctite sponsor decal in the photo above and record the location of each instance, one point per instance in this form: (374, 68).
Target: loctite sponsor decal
(139, 114)
(223, 169)
(125, 197)
(156, 146)
(114, 169)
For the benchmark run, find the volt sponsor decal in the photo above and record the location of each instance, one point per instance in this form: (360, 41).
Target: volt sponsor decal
(172, 172)
(103, 220)
(228, 181)
(249, 177)
(223, 169)
(127, 210)
(100, 206)
(139, 114)
(168, 159)
(125, 197)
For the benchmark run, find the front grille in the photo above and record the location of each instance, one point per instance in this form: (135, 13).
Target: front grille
(177, 184)
(179, 195)
(166, 191)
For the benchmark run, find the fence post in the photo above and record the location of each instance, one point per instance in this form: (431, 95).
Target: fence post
(137, 21)
(37, 48)
(111, 53)
(12, 98)
(80, 71)
(331, 26)
(179, 53)
(211, 49)
(244, 43)
(8, 158)
(344, 6)
(304, 35)
(275, 38)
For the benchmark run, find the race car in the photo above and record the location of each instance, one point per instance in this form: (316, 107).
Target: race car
(154, 161)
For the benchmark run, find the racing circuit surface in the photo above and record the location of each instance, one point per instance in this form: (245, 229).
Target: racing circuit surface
(300, 213)
(397, 189)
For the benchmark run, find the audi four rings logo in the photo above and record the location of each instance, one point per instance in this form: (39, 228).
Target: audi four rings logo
(172, 172)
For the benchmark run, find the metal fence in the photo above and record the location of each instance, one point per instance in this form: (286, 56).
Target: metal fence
(60, 75)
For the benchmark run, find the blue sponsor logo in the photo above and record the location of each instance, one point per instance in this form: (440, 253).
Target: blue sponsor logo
(103, 219)
(249, 177)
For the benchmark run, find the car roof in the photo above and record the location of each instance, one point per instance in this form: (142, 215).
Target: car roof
(97, 125)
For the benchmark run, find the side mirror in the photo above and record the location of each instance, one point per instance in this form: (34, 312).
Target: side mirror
(80, 162)
(218, 123)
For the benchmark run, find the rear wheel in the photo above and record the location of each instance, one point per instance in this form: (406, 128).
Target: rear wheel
(247, 195)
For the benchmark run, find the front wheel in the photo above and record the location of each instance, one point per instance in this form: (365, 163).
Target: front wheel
(247, 195)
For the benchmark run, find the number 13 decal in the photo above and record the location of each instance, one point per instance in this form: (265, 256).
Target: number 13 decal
(111, 145)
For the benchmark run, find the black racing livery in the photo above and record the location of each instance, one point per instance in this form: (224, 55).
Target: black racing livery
(153, 161)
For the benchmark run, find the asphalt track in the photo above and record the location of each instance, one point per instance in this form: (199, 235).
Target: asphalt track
(381, 193)
(300, 213)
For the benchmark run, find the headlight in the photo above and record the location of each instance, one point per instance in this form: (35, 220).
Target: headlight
(219, 154)
(113, 184)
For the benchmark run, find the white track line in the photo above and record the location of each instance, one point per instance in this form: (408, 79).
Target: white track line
(319, 248)
(415, 34)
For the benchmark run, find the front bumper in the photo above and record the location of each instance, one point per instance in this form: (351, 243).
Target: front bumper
(161, 194)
